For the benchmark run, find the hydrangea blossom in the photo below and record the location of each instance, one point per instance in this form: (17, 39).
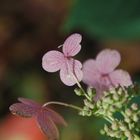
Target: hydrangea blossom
(70, 69)
(45, 116)
(100, 73)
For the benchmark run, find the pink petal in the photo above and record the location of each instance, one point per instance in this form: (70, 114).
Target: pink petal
(22, 110)
(72, 45)
(71, 72)
(107, 60)
(47, 126)
(29, 102)
(52, 61)
(120, 77)
(91, 74)
(56, 118)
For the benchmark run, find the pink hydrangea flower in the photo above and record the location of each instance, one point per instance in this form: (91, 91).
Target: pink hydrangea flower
(100, 73)
(70, 69)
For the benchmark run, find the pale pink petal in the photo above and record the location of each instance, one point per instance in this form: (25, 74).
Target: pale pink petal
(120, 77)
(99, 91)
(107, 60)
(29, 102)
(52, 61)
(72, 45)
(56, 118)
(23, 110)
(71, 72)
(47, 126)
(91, 74)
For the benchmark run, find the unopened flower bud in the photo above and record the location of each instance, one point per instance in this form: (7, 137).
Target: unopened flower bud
(111, 134)
(106, 128)
(135, 118)
(99, 103)
(109, 113)
(128, 134)
(120, 91)
(105, 106)
(127, 119)
(112, 90)
(128, 112)
(108, 100)
(114, 126)
(115, 97)
(88, 104)
(106, 93)
(112, 109)
(78, 92)
(134, 106)
(91, 92)
(123, 127)
(118, 105)
(102, 131)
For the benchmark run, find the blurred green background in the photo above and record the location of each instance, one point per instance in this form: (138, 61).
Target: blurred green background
(30, 28)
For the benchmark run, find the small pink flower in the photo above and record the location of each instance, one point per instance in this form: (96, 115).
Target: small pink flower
(45, 117)
(101, 74)
(69, 68)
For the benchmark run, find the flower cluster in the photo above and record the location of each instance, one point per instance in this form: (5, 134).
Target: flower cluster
(101, 74)
(109, 91)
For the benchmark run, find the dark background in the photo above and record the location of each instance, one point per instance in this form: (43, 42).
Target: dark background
(30, 28)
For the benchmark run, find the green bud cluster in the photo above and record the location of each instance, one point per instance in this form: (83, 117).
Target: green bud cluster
(116, 100)
(119, 130)
(89, 103)
(112, 101)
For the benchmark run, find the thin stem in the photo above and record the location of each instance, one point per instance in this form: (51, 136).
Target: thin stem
(110, 121)
(63, 104)
(77, 82)
(79, 85)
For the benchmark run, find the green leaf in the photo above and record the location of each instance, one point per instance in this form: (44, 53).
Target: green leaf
(106, 19)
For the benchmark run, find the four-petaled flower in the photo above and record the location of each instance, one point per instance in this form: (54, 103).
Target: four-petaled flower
(101, 74)
(45, 116)
(70, 69)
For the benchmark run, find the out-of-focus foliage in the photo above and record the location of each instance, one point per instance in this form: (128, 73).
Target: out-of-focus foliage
(83, 128)
(106, 19)
(27, 29)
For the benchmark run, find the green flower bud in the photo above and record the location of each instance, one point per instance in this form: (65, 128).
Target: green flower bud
(114, 126)
(88, 104)
(120, 91)
(135, 118)
(111, 133)
(112, 91)
(118, 105)
(91, 92)
(109, 113)
(107, 100)
(105, 106)
(116, 97)
(128, 112)
(106, 128)
(123, 127)
(128, 134)
(99, 103)
(102, 132)
(78, 92)
(112, 109)
(134, 106)
(118, 134)
(127, 119)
